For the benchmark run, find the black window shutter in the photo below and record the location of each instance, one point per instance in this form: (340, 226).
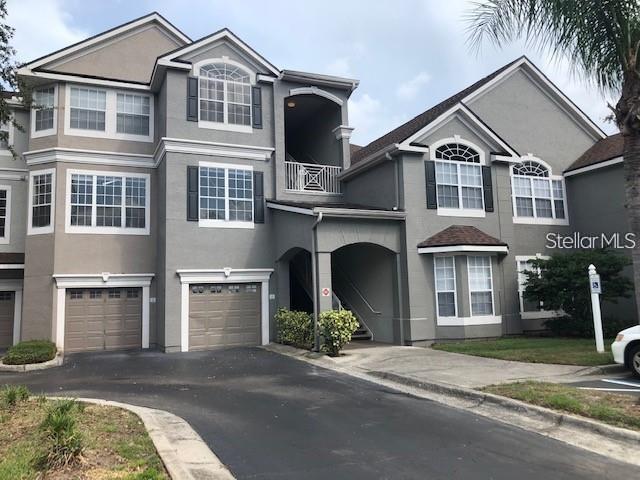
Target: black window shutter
(487, 186)
(192, 194)
(258, 197)
(430, 175)
(192, 99)
(256, 100)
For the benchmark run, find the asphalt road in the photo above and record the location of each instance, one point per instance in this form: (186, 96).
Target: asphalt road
(271, 417)
(625, 384)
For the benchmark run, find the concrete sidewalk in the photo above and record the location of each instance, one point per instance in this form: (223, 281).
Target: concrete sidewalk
(426, 364)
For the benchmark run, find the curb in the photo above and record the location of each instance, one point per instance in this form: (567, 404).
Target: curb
(582, 423)
(182, 451)
(604, 369)
(32, 367)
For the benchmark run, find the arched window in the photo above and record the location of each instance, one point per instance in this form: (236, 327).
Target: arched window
(225, 94)
(538, 197)
(458, 177)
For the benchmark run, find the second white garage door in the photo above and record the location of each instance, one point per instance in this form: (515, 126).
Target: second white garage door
(224, 315)
(103, 319)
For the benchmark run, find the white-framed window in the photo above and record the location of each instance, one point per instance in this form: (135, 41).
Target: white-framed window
(44, 111)
(106, 113)
(225, 195)
(538, 196)
(224, 94)
(42, 201)
(7, 129)
(5, 214)
(528, 308)
(458, 166)
(480, 285)
(107, 202)
(445, 278)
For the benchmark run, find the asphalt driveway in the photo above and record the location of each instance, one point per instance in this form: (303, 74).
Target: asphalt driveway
(269, 416)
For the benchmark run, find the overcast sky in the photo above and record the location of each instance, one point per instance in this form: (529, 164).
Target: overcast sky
(408, 55)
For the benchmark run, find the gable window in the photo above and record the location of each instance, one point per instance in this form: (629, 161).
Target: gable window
(43, 111)
(445, 276)
(538, 197)
(41, 201)
(459, 180)
(88, 109)
(225, 195)
(225, 95)
(106, 113)
(5, 213)
(480, 285)
(107, 203)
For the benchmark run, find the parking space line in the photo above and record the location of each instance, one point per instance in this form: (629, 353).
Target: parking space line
(628, 390)
(622, 382)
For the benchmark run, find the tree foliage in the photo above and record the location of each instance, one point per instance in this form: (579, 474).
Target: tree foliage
(561, 283)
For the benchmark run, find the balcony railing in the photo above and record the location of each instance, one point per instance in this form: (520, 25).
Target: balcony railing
(312, 178)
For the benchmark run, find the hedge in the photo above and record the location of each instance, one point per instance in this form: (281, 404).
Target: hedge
(32, 351)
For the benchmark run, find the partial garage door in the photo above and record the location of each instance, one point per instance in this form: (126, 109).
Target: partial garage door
(226, 314)
(6, 319)
(103, 319)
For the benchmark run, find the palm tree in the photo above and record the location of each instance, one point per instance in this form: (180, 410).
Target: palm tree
(601, 41)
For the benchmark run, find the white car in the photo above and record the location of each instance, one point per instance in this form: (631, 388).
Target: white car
(626, 349)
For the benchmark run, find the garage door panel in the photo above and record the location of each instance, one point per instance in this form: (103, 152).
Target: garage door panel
(224, 315)
(103, 319)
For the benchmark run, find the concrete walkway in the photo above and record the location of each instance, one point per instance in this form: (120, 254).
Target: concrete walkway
(426, 364)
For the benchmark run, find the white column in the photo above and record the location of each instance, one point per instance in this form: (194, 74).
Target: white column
(145, 317)
(265, 312)
(60, 311)
(17, 315)
(184, 318)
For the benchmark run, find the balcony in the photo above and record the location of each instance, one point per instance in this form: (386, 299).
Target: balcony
(312, 178)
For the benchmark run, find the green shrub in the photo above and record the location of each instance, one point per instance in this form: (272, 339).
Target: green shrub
(570, 327)
(10, 395)
(294, 328)
(32, 351)
(64, 442)
(336, 328)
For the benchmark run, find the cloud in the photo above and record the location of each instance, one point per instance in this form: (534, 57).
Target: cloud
(364, 114)
(340, 67)
(409, 90)
(34, 38)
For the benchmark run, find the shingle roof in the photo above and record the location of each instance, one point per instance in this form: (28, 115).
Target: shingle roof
(417, 123)
(601, 151)
(354, 148)
(460, 235)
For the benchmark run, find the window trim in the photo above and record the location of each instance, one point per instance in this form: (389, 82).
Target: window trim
(531, 315)
(6, 239)
(95, 229)
(460, 211)
(225, 125)
(535, 220)
(10, 137)
(111, 115)
(31, 230)
(455, 289)
(50, 131)
(209, 223)
(493, 302)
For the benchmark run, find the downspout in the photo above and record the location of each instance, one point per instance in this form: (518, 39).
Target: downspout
(314, 281)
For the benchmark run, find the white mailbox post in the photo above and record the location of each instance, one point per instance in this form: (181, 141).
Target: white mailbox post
(596, 289)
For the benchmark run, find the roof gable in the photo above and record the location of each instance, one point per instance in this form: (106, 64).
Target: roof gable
(135, 44)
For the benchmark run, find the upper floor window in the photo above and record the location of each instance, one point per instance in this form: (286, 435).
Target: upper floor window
(538, 197)
(459, 181)
(225, 195)
(225, 94)
(104, 113)
(43, 111)
(107, 202)
(41, 201)
(5, 213)
(6, 140)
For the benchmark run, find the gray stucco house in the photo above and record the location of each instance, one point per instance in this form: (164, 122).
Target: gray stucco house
(173, 193)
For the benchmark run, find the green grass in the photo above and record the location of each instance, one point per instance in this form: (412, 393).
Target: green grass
(619, 410)
(563, 351)
(115, 444)
(32, 351)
